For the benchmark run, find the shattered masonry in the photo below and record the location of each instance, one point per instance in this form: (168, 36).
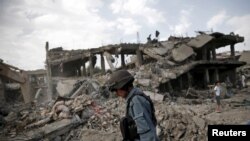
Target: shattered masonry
(179, 63)
(69, 101)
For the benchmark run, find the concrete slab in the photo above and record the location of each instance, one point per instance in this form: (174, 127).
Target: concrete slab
(64, 87)
(154, 96)
(200, 41)
(160, 50)
(168, 75)
(150, 52)
(167, 44)
(2, 95)
(144, 82)
(181, 53)
(52, 130)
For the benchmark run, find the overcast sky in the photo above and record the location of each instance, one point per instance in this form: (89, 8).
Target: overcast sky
(25, 25)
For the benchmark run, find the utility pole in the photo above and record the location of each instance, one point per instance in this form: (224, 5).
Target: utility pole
(138, 37)
(48, 68)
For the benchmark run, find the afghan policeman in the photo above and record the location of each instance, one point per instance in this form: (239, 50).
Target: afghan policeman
(140, 108)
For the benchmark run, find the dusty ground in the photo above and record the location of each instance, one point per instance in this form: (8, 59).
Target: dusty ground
(236, 110)
(188, 121)
(180, 120)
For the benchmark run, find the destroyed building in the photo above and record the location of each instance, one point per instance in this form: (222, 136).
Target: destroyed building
(21, 85)
(38, 85)
(160, 69)
(245, 57)
(175, 64)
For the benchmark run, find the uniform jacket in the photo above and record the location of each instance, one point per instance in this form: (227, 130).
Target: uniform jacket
(141, 112)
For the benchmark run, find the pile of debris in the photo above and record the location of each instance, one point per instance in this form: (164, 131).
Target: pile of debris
(82, 107)
(91, 113)
(179, 123)
(172, 59)
(87, 117)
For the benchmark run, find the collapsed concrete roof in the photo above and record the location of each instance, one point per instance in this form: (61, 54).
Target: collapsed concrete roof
(11, 72)
(174, 57)
(58, 55)
(217, 40)
(37, 72)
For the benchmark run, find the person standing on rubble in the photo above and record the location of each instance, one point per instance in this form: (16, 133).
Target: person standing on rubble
(217, 90)
(243, 80)
(238, 81)
(138, 106)
(157, 33)
(149, 40)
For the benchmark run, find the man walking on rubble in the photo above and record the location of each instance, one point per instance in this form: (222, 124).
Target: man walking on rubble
(217, 90)
(139, 107)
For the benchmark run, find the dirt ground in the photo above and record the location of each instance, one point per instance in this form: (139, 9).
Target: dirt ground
(235, 110)
(178, 121)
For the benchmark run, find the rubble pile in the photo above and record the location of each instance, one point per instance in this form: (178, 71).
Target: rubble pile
(107, 116)
(183, 119)
(86, 110)
(178, 123)
(172, 59)
(153, 74)
(93, 113)
(84, 104)
(175, 122)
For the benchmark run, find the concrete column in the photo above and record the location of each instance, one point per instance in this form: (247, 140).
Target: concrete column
(207, 79)
(232, 51)
(139, 57)
(102, 63)
(189, 76)
(2, 94)
(110, 60)
(217, 77)
(91, 68)
(48, 70)
(209, 52)
(180, 83)
(204, 53)
(214, 53)
(122, 60)
(233, 76)
(84, 69)
(79, 71)
(25, 88)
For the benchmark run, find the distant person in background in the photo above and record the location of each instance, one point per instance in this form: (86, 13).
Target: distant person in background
(238, 81)
(229, 86)
(217, 91)
(156, 39)
(149, 40)
(157, 33)
(243, 80)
